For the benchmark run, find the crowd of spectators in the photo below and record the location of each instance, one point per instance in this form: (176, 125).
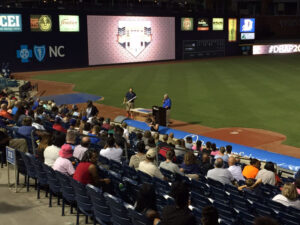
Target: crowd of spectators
(71, 140)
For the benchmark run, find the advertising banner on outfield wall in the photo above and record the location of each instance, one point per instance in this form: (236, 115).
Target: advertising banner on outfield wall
(232, 29)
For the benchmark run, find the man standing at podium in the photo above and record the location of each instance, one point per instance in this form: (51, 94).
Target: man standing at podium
(129, 101)
(167, 104)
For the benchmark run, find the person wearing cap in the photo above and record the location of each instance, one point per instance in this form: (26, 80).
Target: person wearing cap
(62, 163)
(91, 110)
(147, 166)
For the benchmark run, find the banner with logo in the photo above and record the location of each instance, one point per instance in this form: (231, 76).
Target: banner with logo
(40, 23)
(247, 25)
(217, 24)
(187, 24)
(232, 29)
(203, 24)
(68, 23)
(10, 23)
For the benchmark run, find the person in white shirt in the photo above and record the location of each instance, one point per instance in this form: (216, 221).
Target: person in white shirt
(147, 166)
(235, 170)
(289, 196)
(267, 175)
(110, 151)
(51, 153)
(79, 150)
(125, 132)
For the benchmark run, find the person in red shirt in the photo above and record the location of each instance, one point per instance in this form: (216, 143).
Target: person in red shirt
(86, 172)
(57, 125)
(4, 113)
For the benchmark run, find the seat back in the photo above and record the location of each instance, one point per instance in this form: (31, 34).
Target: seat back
(161, 186)
(52, 181)
(144, 177)
(100, 208)
(118, 211)
(115, 166)
(66, 187)
(130, 172)
(83, 201)
(168, 174)
(29, 166)
(138, 218)
(41, 175)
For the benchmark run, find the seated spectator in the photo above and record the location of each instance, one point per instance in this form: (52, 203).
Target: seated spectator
(103, 138)
(189, 143)
(125, 131)
(75, 111)
(86, 128)
(190, 166)
(146, 201)
(146, 137)
(16, 143)
(4, 113)
(154, 126)
(171, 140)
(180, 147)
(228, 150)
(168, 164)
(156, 138)
(219, 173)
(235, 170)
(210, 216)
(110, 151)
(106, 124)
(250, 171)
(151, 143)
(79, 150)
(289, 196)
(46, 140)
(138, 138)
(205, 164)
(178, 214)
(297, 184)
(251, 186)
(148, 166)
(62, 163)
(58, 125)
(163, 143)
(37, 124)
(267, 175)
(26, 127)
(222, 155)
(214, 149)
(120, 140)
(20, 115)
(198, 146)
(139, 156)
(71, 138)
(265, 220)
(94, 135)
(51, 153)
(87, 173)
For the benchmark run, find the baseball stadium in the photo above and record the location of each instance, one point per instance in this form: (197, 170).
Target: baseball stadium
(150, 112)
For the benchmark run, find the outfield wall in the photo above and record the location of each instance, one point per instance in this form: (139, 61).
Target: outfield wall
(28, 41)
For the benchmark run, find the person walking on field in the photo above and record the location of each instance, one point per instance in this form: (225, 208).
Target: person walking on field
(129, 101)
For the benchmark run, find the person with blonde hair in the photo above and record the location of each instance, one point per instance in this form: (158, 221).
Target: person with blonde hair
(289, 196)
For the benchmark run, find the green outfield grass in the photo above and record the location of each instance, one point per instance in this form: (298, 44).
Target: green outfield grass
(254, 92)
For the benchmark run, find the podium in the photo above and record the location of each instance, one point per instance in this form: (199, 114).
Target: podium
(159, 115)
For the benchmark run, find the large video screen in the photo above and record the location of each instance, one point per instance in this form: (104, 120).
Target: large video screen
(126, 39)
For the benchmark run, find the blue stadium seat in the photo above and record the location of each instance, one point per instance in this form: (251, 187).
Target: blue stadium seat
(137, 218)
(103, 160)
(246, 218)
(200, 187)
(262, 210)
(144, 177)
(116, 166)
(53, 183)
(67, 191)
(161, 186)
(29, 168)
(132, 189)
(41, 175)
(84, 204)
(199, 201)
(168, 174)
(118, 211)
(100, 209)
(130, 172)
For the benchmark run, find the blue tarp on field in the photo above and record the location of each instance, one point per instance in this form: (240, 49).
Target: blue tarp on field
(283, 161)
(74, 98)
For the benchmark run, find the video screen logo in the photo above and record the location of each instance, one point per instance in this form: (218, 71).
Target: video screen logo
(10, 23)
(247, 25)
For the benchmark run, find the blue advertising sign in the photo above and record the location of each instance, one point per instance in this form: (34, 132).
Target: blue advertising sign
(247, 25)
(10, 23)
(10, 155)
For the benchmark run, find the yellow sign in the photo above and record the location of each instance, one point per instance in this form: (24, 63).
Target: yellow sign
(45, 23)
(232, 29)
(218, 24)
(40, 23)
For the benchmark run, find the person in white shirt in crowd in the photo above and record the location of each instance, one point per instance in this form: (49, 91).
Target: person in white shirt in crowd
(289, 196)
(37, 124)
(79, 150)
(62, 163)
(189, 142)
(110, 151)
(168, 164)
(125, 131)
(147, 166)
(235, 170)
(219, 173)
(51, 153)
(267, 175)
